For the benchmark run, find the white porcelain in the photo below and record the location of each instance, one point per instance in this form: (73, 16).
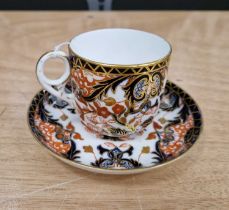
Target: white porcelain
(119, 46)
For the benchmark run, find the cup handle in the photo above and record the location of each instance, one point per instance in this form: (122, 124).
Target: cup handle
(49, 83)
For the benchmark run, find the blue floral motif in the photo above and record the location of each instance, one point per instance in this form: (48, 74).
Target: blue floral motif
(115, 158)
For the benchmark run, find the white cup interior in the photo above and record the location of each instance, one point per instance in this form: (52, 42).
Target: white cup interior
(119, 46)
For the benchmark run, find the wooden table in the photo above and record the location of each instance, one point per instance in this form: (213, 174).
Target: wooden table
(32, 179)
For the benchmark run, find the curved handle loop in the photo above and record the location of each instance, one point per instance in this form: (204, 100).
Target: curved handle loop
(49, 83)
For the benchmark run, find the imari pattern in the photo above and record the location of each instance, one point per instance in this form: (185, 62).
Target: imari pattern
(117, 100)
(174, 131)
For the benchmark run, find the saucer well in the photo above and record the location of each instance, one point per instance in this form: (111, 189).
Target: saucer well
(174, 130)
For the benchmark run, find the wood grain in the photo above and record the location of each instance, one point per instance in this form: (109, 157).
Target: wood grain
(32, 179)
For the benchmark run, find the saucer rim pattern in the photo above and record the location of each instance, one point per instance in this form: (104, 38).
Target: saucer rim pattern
(36, 99)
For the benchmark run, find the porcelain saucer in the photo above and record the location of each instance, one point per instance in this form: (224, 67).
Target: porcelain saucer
(174, 130)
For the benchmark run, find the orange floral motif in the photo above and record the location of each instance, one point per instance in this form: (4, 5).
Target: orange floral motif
(77, 136)
(60, 147)
(103, 111)
(70, 127)
(84, 82)
(180, 130)
(156, 126)
(118, 109)
(48, 130)
(60, 136)
(151, 136)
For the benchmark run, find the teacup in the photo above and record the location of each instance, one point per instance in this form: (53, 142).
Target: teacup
(116, 78)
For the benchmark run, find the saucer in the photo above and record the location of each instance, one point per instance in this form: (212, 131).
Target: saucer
(174, 130)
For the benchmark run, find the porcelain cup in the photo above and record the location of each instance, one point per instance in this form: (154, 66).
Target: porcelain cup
(113, 78)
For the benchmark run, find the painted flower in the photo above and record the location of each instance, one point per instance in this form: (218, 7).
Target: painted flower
(103, 111)
(118, 109)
